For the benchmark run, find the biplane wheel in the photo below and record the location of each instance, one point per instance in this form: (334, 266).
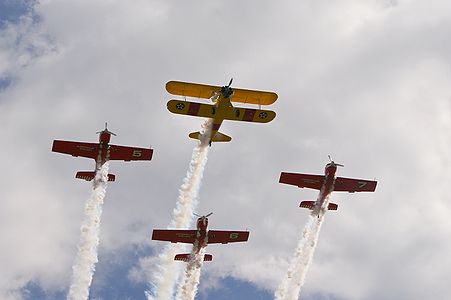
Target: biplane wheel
(263, 115)
(180, 106)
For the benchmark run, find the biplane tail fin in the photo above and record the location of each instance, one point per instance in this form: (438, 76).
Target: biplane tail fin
(90, 175)
(187, 257)
(217, 137)
(311, 205)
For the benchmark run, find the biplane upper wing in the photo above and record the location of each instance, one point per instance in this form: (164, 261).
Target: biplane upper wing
(250, 115)
(224, 237)
(354, 185)
(174, 236)
(129, 153)
(302, 180)
(89, 150)
(196, 90)
(191, 89)
(253, 97)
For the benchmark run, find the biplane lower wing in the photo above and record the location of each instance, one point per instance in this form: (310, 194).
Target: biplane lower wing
(191, 108)
(250, 115)
(129, 153)
(209, 111)
(89, 150)
(302, 180)
(225, 237)
(174, 236)
(354, 185)
(196, 90)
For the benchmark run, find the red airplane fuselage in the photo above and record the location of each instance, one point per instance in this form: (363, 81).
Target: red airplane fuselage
(104, 139)
(201, 236)
(327, 187)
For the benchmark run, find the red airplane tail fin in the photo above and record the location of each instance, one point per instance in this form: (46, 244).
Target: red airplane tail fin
(90, 175)
(187, 257)
(311, 205)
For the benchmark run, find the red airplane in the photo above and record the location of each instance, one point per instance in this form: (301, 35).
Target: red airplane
(101, 152)
(326, 184)
(200, 238)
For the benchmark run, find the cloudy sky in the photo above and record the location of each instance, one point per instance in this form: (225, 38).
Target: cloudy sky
(368, 82)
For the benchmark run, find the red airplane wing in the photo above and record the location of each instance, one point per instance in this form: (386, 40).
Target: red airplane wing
(89, 150)
(302, 180)
(174, 236)
(354, 185)
(129, 153)
(224, 237)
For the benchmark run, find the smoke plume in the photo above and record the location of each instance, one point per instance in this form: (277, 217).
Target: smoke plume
(290, 287)
(84, 266)
(168, 271)
(191, 278)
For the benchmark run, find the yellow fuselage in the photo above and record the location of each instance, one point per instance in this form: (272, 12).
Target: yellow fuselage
(223, 105)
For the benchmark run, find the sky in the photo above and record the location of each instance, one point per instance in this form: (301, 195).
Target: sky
(367, 82)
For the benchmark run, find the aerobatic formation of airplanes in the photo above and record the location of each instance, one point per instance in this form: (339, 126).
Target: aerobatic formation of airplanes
(326, 184)
(200, 238)
(101, 152)
(222, 108)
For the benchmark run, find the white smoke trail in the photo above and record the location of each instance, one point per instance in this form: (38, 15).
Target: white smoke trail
(188, 288)
(84, 266)
(168, 272)
(290, 287)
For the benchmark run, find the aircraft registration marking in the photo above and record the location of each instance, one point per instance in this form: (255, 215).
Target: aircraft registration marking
(362, 184)
(310, 181)
(233, 235)
(86, 148)
(137, 153)
(184, 235)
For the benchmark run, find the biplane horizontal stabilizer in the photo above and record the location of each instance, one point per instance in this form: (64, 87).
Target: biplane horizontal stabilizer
(217, 137)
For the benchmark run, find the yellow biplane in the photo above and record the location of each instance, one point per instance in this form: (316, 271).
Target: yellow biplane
(222, 108)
